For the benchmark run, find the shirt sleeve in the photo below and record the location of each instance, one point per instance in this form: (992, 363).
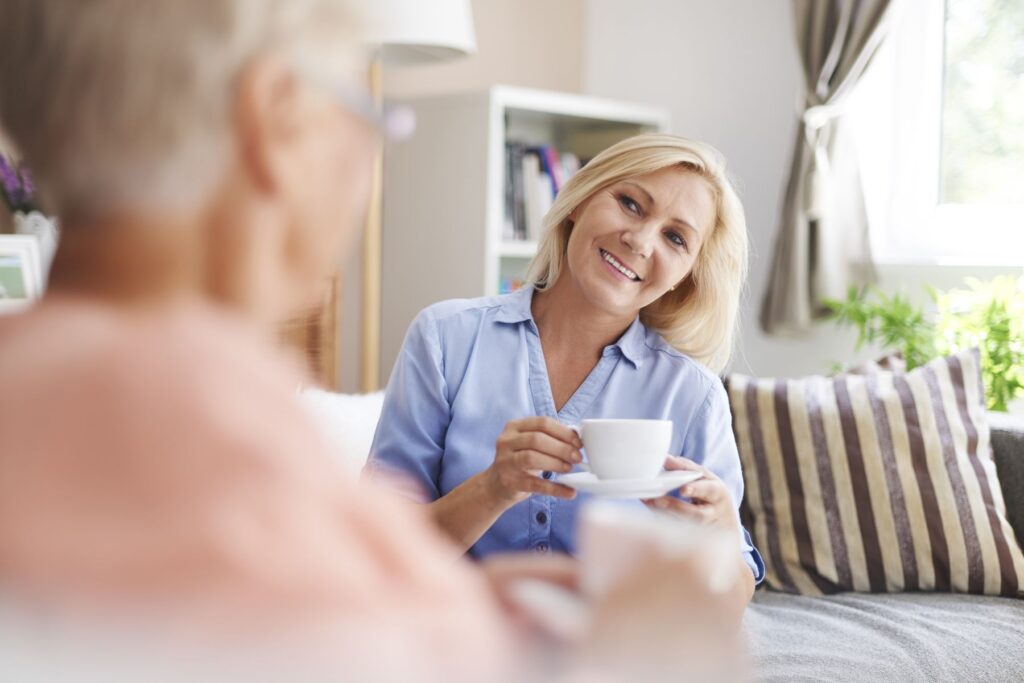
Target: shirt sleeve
(710, 442)
(409, 442)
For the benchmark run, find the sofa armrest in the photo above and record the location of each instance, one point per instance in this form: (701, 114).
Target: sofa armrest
(1008, 452)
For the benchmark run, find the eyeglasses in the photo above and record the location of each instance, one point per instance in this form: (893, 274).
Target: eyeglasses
(394, 122)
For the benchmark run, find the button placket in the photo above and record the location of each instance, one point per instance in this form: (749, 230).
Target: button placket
(539, 521)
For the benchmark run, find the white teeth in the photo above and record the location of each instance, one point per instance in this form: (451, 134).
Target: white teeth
(618, 266)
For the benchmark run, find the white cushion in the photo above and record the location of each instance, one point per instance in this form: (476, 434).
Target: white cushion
(347, 422)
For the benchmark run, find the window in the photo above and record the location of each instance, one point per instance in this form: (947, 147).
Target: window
(939, 129)
(982, 158)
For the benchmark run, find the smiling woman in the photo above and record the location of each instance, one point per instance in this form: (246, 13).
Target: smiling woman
(697, 313)
(630, 313)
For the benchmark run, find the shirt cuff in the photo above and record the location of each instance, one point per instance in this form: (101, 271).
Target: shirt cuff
(752, 558)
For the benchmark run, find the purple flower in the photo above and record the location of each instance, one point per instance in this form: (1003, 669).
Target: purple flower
(16, 186)
(10, 180)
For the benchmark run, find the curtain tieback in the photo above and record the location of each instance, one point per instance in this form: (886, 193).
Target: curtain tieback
(818, 116)
(816, 188)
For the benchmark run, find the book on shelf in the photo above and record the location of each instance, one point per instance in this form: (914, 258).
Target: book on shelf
(514, 153)
(533, 177)
(537, 198)
(508, 229)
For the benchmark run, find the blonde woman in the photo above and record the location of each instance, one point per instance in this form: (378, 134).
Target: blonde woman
(630, 314)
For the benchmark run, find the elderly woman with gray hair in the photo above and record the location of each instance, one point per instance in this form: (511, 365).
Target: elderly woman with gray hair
(210, 164)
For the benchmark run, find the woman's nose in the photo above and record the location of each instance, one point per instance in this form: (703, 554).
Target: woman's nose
(640, 242)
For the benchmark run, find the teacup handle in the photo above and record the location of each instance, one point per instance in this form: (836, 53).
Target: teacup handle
(579, 432)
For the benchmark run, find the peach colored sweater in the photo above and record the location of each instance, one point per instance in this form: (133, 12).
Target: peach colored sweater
(159, 463)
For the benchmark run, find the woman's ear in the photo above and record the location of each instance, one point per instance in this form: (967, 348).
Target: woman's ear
(267, 120)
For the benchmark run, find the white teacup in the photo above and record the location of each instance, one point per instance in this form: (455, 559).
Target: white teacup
(625, 449)
(617, 539)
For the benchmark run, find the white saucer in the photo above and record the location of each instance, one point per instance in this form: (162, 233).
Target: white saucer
(666, 481)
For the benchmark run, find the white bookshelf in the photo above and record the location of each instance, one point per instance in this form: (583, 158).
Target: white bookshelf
(444, 191)
(513, 249)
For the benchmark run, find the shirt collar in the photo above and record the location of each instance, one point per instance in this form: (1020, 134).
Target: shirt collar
(516, 306)
(633, 343)
(516, 309)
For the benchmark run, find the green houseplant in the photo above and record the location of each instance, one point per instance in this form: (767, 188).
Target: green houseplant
(988, 315)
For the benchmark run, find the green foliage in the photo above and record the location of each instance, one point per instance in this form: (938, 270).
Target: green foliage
(986, 315)
(892, 322)
(989, 315)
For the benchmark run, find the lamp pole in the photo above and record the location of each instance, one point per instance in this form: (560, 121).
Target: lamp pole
(370, 314)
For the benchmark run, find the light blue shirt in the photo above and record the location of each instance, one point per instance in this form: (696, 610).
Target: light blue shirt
(467, 367)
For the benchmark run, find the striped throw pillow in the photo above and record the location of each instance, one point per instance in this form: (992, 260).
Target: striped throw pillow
(881, 482)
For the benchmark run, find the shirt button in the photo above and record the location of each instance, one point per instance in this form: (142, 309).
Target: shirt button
(546, 474)
(542, 517)
(542, 547)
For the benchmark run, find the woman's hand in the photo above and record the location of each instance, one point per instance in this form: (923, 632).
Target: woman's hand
(527, 448)
(709, 498)
(524, 450)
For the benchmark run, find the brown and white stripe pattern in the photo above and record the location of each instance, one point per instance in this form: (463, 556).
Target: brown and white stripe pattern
(881, 482)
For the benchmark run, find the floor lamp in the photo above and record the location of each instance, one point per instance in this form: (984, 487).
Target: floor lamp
(408, 32)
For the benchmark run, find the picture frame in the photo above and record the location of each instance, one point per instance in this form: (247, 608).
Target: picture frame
(21, 282)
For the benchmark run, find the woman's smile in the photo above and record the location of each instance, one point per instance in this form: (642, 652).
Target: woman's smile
(617, 267)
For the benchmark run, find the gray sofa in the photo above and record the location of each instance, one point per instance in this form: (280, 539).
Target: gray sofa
(900, 637)
(849, 637)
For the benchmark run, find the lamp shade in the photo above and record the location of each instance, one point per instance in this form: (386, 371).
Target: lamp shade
(421, 31)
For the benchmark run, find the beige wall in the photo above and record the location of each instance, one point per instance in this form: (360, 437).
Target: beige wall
(529, 43)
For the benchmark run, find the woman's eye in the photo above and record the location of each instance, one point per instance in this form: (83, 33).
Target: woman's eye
(676, 239)
(629, 204)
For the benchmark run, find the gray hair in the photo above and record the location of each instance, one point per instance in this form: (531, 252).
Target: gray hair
(127, 102)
